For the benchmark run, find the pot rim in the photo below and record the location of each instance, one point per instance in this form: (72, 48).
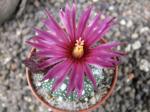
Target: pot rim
(91, 108)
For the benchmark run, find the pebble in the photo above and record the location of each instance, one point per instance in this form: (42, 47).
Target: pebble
(144, 65)
(129, 24)
(134, 36)
(144, 29)
(136, 45)
(123, 22)
(63, 87)
(93, 100)
(111, 8)
(95, 0)
(128, 48)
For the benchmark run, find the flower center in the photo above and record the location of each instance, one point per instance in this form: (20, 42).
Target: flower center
(78, 49)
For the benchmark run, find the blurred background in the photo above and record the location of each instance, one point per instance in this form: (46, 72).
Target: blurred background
(18, 17)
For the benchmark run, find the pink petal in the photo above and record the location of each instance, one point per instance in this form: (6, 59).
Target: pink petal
(97, 34)
(57, 70)
(79, 80)
(68, 19)
(108, 45)
(64, 72)
(47, 35)
(100, 62)
(55, 27)
(74, 18)
(50, 53)
(105, 53)
(83, 21)
(71, 84)
(43, 40)
(37, 45)
(50, 62)
(90, 75)
(93, 25)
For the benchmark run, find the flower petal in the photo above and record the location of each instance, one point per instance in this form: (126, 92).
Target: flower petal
(50, 62)
(105, 53)
(90, 75)
(99, 32)
(101, 62)
(47, 35)
(55, 27)
(69, 20)
(79, 79)
(83, 21)
(108, 45)
(62, 75)
(57, 70)
(50, 53)
(71, 84)
(37, 45)
(93, 25)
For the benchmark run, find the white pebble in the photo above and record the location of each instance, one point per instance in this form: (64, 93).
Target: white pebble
(111, 8)
(46, 80)
(123, 22)
(144, 65)
(95, 0)
(38, 84)
(93, 100)
(129, 24)
(128, 48)
(144, 29)
(136, 45)
(60, 99)
(134, 35)
(63, 87)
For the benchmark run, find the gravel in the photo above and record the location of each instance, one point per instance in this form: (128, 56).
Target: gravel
(133, 26)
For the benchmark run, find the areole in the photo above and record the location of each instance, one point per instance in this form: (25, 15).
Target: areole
(91, 108)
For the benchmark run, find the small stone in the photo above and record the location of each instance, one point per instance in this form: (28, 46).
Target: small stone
(111, 8)
(129, 24)
(63, 87)
(28, 99)
(134, 36)
(46, 80)
(18, 32)
(144, 65)
(97, 71)
(36, 3)
(127, 89)
(123, 22)
(93, 100)
(86, 99)
(95, 0)
(39, 84)
(128, 48)
(60, 99)
(136, 45)
(144, 29)
(130, 77)
(92, 94)
(6, 60)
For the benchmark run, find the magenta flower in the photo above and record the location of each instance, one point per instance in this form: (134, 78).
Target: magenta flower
(69, 49)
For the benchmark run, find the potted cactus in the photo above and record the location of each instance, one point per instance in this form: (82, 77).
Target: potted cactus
(67, 66)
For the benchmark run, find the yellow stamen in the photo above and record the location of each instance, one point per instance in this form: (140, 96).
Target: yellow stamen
(78, 50)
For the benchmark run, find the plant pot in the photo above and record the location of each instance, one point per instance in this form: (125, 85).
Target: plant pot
(91, 108)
